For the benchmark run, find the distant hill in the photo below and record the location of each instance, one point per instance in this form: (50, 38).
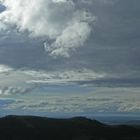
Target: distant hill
(78, 128)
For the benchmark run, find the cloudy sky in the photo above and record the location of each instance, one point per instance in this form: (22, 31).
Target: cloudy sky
(69, 57)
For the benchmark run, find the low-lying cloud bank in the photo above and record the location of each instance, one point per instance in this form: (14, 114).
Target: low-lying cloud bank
(105, 100)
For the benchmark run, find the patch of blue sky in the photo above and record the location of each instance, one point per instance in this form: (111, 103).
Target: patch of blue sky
(5, 102)
(64, 89)
(2, 8)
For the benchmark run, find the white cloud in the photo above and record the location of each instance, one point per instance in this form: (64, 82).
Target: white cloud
(15, 90)
(70, 39)
(5, 69)
(58, 20)
(23, 81)
(62, 77)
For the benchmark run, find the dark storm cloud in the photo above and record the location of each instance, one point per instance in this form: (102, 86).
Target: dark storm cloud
(114, 44)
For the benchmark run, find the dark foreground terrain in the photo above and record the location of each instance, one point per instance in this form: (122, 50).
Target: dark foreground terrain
(79, 128)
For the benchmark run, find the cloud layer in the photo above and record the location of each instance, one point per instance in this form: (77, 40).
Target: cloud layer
(59, 21)
(100, 101)
(79, 91)
(107, 64)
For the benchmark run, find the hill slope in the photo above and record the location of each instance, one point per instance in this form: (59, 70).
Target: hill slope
(79, 128)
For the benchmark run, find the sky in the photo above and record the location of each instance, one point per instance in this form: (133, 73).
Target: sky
(69, 57)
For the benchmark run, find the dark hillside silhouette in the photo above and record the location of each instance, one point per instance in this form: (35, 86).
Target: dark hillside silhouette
(78, 128)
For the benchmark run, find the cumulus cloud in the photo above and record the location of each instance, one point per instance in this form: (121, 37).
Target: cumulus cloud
(60, 21)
